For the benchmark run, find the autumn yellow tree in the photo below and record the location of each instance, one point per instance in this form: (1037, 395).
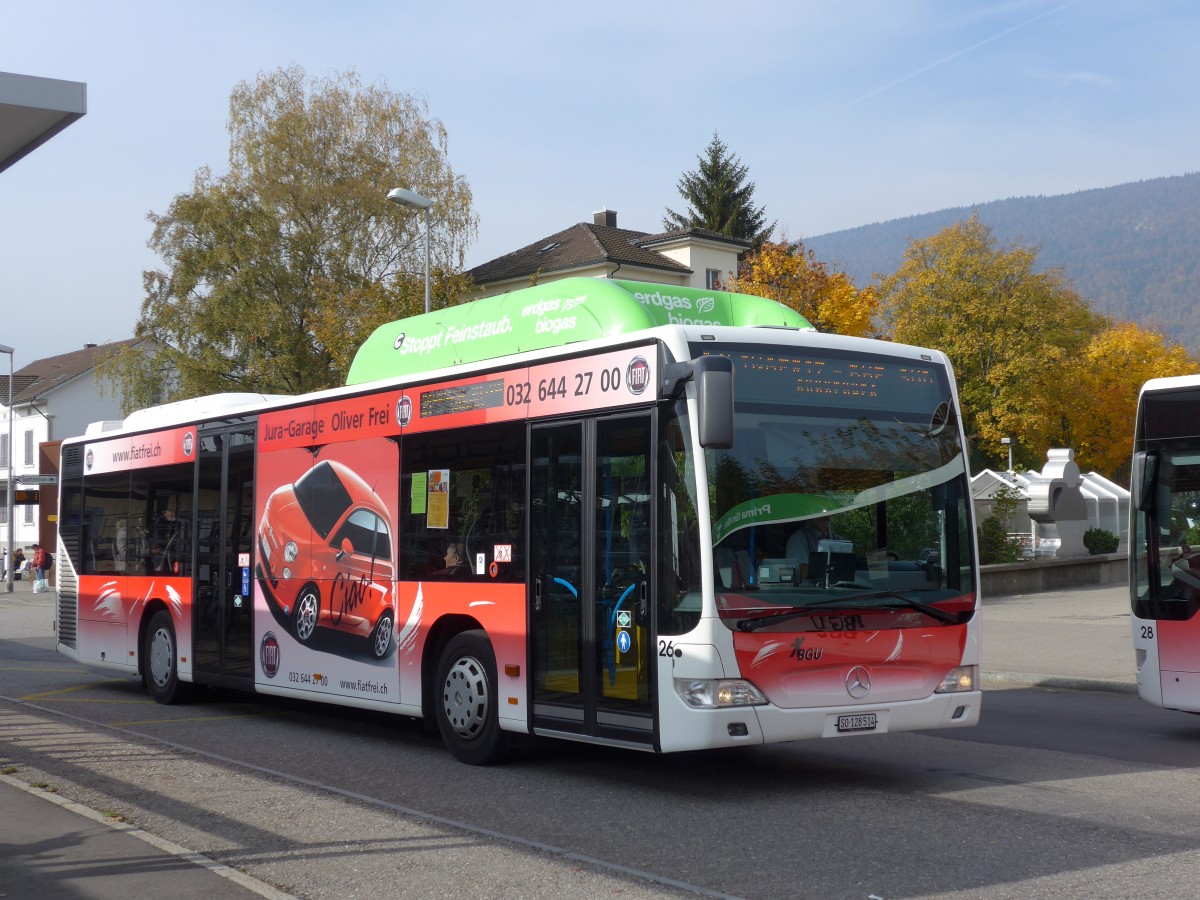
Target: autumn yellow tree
(1103, 395)
(793, 276)
(1012, 333)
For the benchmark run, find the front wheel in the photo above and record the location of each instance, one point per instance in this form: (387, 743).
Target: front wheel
(304, 616)
(467, 713)
(160, 661)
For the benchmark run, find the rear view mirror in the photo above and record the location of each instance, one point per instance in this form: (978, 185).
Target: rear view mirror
(714, 401)
(1142, 480)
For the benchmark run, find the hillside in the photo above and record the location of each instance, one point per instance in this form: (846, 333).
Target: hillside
(1132, 250)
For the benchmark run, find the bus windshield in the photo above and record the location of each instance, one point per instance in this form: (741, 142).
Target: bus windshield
(1166, 529)
(845, 489)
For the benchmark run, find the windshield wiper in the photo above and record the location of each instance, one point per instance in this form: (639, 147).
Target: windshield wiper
(753, 623)
(934, 612)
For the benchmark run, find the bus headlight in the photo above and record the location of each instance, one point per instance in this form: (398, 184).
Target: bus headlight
(963, 678)
(712, 693)
(290, 552)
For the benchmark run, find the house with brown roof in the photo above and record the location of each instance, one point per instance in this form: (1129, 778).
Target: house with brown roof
(52, 399)
(689, 257)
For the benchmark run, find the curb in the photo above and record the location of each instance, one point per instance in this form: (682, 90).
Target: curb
(1010, 679)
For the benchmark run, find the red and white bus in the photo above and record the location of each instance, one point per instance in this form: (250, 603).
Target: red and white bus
(1164, 531)
(584, 510)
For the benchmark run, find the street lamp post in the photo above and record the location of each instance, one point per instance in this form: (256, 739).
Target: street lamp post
(8, 560)
(401, 197)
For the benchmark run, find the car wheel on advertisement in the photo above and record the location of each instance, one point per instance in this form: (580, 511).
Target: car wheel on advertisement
(160, 661)
(466, 701)
(381, 636)
(304, 616)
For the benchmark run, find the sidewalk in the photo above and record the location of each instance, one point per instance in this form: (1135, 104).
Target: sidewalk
(1078, 638)
(51, 847)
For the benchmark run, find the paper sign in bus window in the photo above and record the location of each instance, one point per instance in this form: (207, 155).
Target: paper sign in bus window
(439, 499)
(419, 490)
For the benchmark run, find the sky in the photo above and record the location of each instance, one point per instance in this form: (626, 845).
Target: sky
(845, 113)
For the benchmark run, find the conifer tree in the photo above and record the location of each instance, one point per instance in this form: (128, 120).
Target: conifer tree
(720, 198)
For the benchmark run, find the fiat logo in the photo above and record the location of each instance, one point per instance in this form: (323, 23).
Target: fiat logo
(404, 410)
(858, 682)
(637, 376)
(268, 654)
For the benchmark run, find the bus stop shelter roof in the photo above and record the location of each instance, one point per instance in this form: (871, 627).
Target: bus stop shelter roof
(33, 110)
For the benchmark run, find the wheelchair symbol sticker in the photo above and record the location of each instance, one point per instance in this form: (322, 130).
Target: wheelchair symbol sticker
(623, 641)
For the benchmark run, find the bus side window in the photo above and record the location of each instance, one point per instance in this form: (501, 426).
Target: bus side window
(484, 513)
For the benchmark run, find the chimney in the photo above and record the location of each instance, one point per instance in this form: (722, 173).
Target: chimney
(605, 217)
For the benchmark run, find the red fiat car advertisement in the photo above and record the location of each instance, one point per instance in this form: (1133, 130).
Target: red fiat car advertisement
(326, 560)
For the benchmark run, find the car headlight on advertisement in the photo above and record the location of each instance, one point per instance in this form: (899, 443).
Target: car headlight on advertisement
(290, 552)
(957, 680)
(287, 573)
(714, 693)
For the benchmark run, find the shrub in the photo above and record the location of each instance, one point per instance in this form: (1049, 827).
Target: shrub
(994, 543)
(1097, 540)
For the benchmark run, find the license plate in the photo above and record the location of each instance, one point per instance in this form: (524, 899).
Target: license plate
(858, 722)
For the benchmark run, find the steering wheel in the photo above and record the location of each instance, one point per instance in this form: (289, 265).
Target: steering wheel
(1181, 569)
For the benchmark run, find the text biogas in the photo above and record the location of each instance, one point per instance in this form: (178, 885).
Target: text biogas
(671, 303)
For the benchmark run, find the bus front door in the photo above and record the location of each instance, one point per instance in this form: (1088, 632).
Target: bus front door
(223, 554)
(592, 564)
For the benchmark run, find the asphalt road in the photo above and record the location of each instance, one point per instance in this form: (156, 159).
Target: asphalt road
(1056, 793)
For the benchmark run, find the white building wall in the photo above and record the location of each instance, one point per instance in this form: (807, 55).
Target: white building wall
(76, 404)
(66, 412)
(702, 256)
(25, 518)
(1107, 502)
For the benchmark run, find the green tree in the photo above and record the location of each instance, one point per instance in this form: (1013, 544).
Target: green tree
(719, 198)
(1011, 332)
(274, 272)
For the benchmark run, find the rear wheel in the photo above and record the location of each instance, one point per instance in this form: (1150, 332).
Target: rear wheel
(381, 636)
(467, 712)
(160, 661)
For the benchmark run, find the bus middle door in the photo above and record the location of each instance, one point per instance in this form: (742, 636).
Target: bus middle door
(223, 534)
(592, 564)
